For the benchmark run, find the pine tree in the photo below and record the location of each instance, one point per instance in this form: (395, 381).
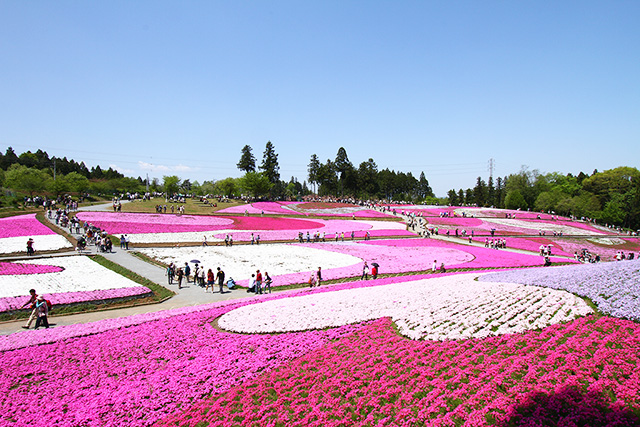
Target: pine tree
(247, 161)
(342, 165)
(269, 166)
(312, 168)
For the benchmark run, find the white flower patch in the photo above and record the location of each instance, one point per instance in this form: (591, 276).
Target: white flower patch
(241, 261)
(545, 226)
(182, 237)
(451, 307)
(609, 241)
(384, 225)
(80, 274)
(49, 242)
(198, 236)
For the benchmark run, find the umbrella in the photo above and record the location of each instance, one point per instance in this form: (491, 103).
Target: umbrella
(195, 261)
(375, 264)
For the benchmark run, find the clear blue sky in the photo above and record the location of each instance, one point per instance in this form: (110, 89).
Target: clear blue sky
(178, 88)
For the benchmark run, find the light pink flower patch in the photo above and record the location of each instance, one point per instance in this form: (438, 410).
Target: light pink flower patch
(606, 252)
(410, 255)
(23, 225)
(133, 223)
(14, 268)
(14, 303)
(533, 244)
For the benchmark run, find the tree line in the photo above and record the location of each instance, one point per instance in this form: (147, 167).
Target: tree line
(336, 178)
(36, 173)
(609, 197)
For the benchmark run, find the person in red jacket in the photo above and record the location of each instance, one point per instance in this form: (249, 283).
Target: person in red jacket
(258, 282)
(374, 272)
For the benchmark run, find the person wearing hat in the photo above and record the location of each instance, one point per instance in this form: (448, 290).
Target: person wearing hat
(30, 250)
(42, 311)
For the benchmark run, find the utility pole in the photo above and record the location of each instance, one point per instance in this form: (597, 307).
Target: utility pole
(54, 168)
(147, 183)
(491, 167)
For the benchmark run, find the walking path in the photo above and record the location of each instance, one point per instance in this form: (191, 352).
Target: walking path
(189, 295)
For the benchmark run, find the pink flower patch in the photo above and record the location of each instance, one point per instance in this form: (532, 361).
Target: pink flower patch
(23, 225)
(454, 222)
(14, 268)
(134, 223)
(268, 223)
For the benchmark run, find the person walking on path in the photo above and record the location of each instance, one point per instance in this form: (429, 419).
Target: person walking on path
(267, 282)
(32, 301)
(30, 250)
(171, 272)
(319, 276)
(365, 271)
(187, 271)
(434, 267)
(180, 274)
(220, 277)
(42, 310)
(210, 281)
(201, 279)
(374, 272)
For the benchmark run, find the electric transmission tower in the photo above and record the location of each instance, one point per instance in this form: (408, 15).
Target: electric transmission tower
(491, 167)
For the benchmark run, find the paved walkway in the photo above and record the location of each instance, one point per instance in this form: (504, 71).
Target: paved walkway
(189, 295)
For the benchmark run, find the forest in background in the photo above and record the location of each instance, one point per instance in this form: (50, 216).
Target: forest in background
(609, 197)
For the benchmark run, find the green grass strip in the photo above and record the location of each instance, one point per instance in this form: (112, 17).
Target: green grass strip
(160, 293)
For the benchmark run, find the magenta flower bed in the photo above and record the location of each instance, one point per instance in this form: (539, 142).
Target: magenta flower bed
(269, 223)
(426, 212)
(272, 208)
(133, 223)
(23, 225)
(580, 373)
(15, 268)
(33, 338)
(135, 375)
(14, 303)
(365, 213)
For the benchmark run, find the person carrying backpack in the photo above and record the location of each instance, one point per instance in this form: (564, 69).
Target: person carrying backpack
(187, 271)
(42, 310)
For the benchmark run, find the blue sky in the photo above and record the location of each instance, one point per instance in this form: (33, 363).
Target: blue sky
(178, 88)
